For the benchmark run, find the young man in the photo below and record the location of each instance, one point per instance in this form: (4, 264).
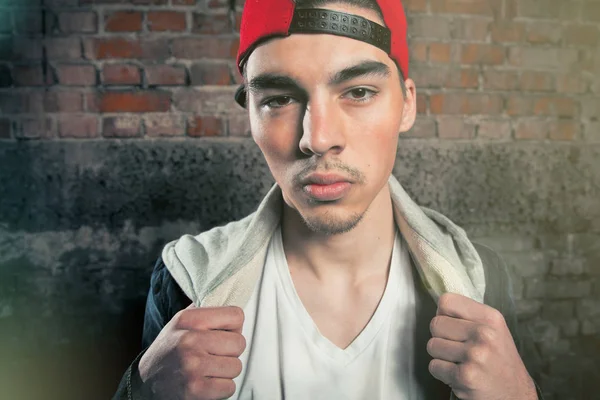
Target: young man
(338, 286)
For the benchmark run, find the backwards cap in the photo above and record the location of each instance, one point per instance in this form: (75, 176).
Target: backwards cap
(265, 19)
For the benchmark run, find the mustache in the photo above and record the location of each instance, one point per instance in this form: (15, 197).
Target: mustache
(329, 166)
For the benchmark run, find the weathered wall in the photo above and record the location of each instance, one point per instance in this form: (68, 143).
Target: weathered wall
(118, 133)
(83, 222)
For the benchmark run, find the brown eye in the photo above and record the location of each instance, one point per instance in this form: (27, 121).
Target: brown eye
(280, 101)
(359, 93)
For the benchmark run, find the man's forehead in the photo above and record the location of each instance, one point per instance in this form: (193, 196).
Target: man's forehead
(301, 53)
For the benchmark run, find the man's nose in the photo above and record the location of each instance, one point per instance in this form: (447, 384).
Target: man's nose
(322, 128)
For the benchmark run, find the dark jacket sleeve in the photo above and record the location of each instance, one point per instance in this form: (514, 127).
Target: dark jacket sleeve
(165, 299)
(498, 294)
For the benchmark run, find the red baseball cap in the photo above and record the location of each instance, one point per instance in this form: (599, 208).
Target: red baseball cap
(266, 19)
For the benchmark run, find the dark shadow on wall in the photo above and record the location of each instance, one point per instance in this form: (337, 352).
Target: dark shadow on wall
(81, 225)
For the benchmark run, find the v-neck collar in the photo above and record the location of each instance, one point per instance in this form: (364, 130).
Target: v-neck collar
(365, 337)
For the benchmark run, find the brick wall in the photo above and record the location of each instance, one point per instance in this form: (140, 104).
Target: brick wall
(509, 93)
(485, 69)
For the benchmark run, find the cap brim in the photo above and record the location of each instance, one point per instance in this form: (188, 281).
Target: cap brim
(240, 95)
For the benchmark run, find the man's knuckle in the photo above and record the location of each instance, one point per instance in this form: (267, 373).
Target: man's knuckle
(495, 317)
(444, 303)
(477, 354)
(197, 387)
(466, 375)
(485, 334)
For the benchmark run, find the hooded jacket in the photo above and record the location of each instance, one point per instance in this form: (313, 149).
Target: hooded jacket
(221, 267)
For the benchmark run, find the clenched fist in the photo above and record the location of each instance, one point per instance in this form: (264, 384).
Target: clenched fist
(195, 356)
(474, 353)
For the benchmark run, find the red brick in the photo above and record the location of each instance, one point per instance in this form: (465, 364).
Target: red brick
(544, 32)
(519, 105)
(500, 80)
(164, 125)
(457, 103)
(63, 48)
(210, 74)
(427, 76)
(440, 52)
(536, 81)
(123, 21)
(467, 78)
(35, 128)
(121, 74)
(238, 21)
(211, 23)
(165, 75)
(125, 126)
(76, 75)
(531, 129)
(471, 29)
(415, 5)
(146, 101)
(92, 102)
(570, 84)
(205, 126)
(421, 103)
(63, 101)
(563, 130)
(78, 22)
(418, 51)
(507, 31)
(583, 35)
(31, 75)
(555, 106)
(166, 21)
(118, 48)
(482, 54)
(78, 126)
(206, 47)
(206, 102)
(494, 129)
(5, 128)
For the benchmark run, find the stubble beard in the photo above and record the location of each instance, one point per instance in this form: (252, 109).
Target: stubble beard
(329, 225)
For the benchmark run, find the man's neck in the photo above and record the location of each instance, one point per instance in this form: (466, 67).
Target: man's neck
(352, 256)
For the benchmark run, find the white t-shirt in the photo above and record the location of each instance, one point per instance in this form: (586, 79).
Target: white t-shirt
(287, 357)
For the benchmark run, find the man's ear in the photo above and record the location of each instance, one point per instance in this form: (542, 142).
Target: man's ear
(409, 111)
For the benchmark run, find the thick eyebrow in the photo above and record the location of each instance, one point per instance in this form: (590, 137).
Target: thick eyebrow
(364, 68)
(270, 80)
(273, 81)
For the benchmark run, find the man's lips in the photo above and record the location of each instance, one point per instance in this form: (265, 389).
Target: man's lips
(326, 187)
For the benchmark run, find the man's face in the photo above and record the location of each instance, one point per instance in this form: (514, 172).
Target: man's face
(326, 111)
